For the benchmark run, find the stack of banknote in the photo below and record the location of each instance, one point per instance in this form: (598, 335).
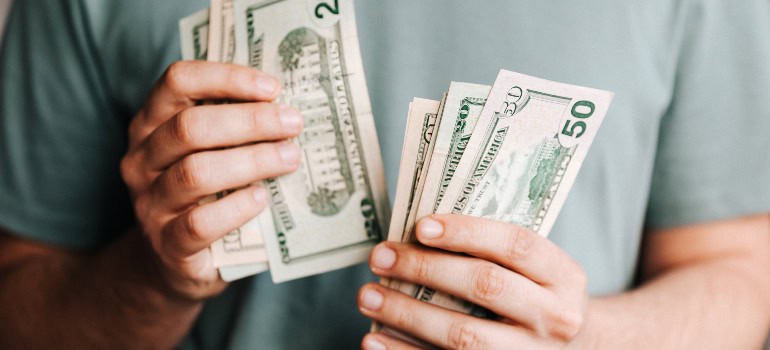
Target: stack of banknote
(507, 152)
(330, 213)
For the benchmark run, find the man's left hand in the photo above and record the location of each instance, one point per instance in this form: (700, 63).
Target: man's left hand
(536, 289)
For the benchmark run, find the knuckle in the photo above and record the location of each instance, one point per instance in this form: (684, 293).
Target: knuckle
(233, 75)
(266, 155)
(183, 127)
(135, 127)
(270, 161)
(142, 207)
(572, 274)
(248, 78)
(245, 207)
(518, 244)
(258, 115)
(176, 74)
(404, 318)
(129, 171)
(191, 173)
(564, 324)
(463, 335)
(477, 229)
(489, 282)
(195, 225)
(579, 276)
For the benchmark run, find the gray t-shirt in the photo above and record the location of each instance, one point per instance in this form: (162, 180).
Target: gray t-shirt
(685, 141)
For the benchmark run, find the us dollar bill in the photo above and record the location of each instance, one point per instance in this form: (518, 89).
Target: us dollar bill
(422, 121)
(241, 252)
(331, 212)
(194, 35)
(428, 114)
(462, 108)
(420, 181)
(232, 273)
(421, 124)
(399, 212)
(222, 31)
(530, 143)
(522, 158)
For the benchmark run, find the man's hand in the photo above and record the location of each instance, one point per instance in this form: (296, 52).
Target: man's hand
(181, 151)
(538, 291)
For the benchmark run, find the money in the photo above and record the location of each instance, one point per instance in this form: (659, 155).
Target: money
(243, 248)
(194, 35)
(331, 212)
(462, 108)
(404, 196)
(232, 273)
(529, 145)
(222, 31)
(517, 164)
(510, 152)
(418, 137)
(420, 181)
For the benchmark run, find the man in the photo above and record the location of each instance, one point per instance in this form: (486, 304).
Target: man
(667, 226)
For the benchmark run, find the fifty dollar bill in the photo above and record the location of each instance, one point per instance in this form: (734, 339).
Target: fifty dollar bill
(522, 158)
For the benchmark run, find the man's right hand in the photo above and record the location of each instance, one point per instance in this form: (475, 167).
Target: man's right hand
(181, 151)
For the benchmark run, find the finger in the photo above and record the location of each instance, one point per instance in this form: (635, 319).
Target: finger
(186, 82)
(195, 230)
(217, 126)
(511, 246)
(489, 285)
(436, 325)
(378, 341)
(201, 174)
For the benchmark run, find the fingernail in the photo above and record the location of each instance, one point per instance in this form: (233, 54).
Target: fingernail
(291, 119)
(371, 344)
(260, 195)
(289, 153)
(371, 300)
(383, 257)
(430, 229)
(266, 84)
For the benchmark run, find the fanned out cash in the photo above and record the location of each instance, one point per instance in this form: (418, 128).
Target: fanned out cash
(508, 153)
(330, 213)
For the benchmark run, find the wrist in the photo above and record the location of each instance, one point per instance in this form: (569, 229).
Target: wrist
(129, 287)
(146, 276)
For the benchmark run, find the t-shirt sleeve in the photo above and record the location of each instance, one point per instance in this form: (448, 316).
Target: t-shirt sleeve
(60, 136)
(713, 158)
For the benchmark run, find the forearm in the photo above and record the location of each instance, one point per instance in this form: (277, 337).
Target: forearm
(108, 300)
(720, 305)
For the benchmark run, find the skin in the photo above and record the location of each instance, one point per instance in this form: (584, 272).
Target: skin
(150, 284)
(703, 286)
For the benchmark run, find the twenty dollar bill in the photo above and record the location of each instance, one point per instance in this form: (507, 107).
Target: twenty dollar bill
(331, 212)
